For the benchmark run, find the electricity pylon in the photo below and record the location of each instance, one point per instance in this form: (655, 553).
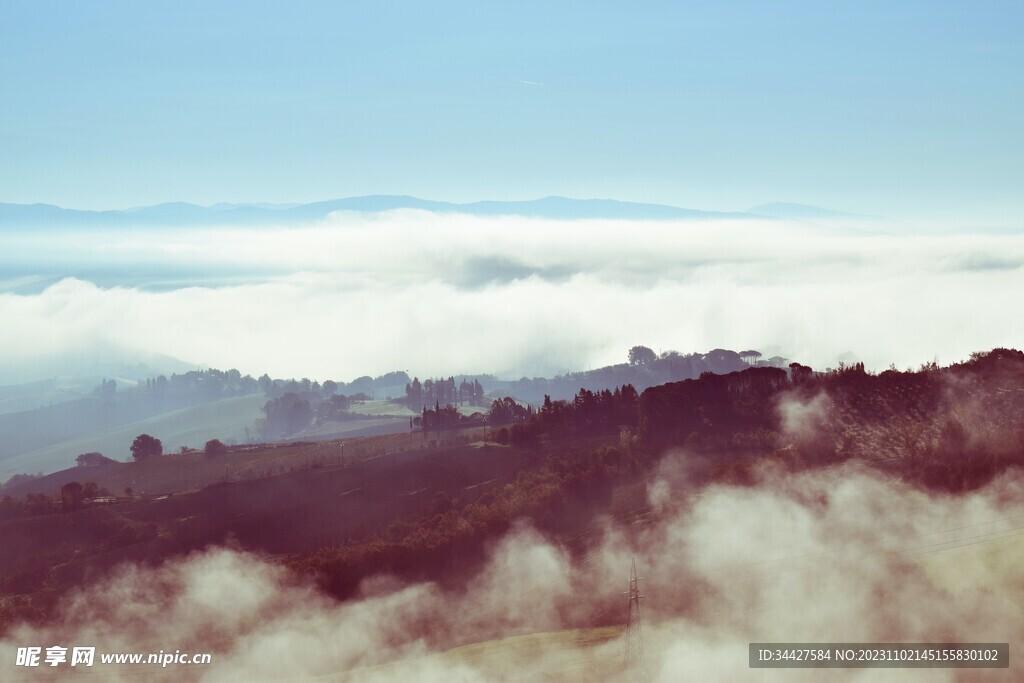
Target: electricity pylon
(634, 637)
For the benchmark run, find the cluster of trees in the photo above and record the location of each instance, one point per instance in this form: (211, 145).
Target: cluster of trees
(18, 479)
(275, 388)
(292, 412)
(503, 411)
(388, 385)
(367, 387)
(106, 390)
(112, 405)
(34, 504)
(798, 374)
(214, 448)
(213, 384)
(287, 414)
(949, 429)
(913, 416)
(711, 407)
(443, 392)
(93, 459)
(200, 386)
(592, 411)
(733, 411)
(443, 418)
(145, 446)
(589, 413)
(644, 368)
(294, 405)
(334, 409)
(641, 355)
(506, 411)
(73, 495)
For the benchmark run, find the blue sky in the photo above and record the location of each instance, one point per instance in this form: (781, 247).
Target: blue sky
(898, 109)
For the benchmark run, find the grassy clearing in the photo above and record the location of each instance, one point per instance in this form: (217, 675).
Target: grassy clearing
(177, 472)
(370, 426)
(191, 427)
(381, 408)
(392, 409)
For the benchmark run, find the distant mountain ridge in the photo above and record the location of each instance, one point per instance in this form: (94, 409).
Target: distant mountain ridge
(186, 214)
(804, 212)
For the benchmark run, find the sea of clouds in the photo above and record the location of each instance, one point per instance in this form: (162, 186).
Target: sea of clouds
(437, 294)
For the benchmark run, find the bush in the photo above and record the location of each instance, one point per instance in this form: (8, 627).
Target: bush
(214, 447)
(146, 446)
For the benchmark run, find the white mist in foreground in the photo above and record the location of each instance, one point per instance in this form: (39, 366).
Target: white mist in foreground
(828, 556)
(437, 294)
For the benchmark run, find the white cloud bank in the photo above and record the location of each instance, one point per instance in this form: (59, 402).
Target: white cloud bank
(439, 294)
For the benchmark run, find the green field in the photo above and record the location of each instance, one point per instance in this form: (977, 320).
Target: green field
(380, 408)
(390, 409)
(192, 427)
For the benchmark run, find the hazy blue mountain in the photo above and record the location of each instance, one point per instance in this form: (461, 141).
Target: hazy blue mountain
(185, 214)
(102, 360)
(802, 212)
(48, 214)
(564, 208)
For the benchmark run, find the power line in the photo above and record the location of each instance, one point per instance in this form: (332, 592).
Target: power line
(634, 635)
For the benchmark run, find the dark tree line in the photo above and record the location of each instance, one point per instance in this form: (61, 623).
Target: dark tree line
(589, 413)
(644, 369)
(442, 418)
(368, 387)
(503, 411)
(595, 412)
(506, 411)
(197, 385)
(712, 405)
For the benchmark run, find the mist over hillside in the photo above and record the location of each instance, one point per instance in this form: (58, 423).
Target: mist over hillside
(86, 363)
(47, 429)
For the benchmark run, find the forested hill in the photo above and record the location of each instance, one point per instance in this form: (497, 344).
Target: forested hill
(110, 406)
(951, 428)
(427, 504)
(644, 369)
(56, 431)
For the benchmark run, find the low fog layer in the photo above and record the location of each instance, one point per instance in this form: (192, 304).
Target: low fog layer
(435, 294)
(831, 555)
